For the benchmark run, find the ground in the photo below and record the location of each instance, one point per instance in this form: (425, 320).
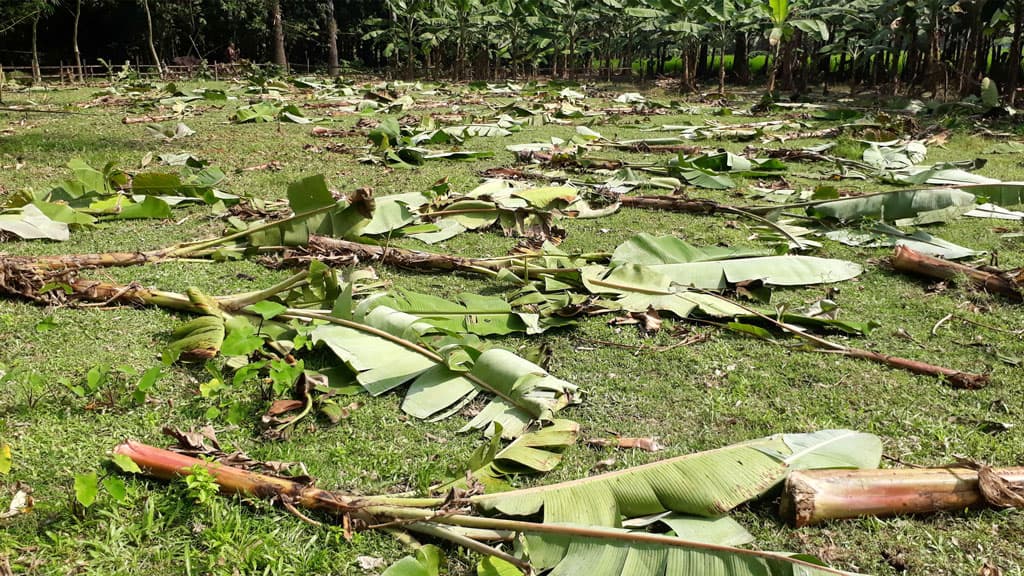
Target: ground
(726, 389)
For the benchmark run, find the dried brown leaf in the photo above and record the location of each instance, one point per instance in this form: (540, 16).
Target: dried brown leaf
(646, 444)
(998, 491)
(21, 503)
(279, 407)
(990, 569)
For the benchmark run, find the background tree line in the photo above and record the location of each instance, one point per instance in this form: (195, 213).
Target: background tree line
(912, 45)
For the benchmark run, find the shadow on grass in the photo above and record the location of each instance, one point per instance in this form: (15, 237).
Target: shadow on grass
(88, 140)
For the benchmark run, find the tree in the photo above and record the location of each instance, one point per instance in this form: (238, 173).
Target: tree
(74, 41)
(332, 40)
(1013, 60)
(277, 23)
(149, 38)
(32, 11)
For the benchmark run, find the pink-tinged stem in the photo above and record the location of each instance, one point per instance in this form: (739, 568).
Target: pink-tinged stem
(814, 496)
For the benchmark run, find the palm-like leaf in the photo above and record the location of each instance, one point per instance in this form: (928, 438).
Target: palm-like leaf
(704, 484)
(473, 313)
(388, 349)
(611, 552)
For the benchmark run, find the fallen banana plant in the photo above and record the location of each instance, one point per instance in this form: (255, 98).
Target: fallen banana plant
(1009, 284)
(584, 521)
(815, 496)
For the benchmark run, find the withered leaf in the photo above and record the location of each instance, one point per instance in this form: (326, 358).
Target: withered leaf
(998, 491)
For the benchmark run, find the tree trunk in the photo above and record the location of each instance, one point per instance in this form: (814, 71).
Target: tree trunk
(740, 59)
(702, 60)
(932, 59)
(773, 68)
(74, 42)
(907, 260)
(789, 54)
(969, 62)
(332, 41)
(721, 68)
(37, 75)
(1013, 61)
(460, 49)
(913, 55)
(149, 38)
(684, 78)
(277, 22)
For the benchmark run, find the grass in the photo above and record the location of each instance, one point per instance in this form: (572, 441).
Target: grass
(725, 390)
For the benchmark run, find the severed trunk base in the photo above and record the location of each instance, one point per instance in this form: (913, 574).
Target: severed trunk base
(906, 260)
(814, 496)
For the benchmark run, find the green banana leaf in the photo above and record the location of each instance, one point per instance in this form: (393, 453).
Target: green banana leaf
(707, 483)
(533, 452)
(345, 220)
(391, 350)
(29, 222)
(723, 530)
(900, 207)
(883, 235)
(426, 561)
(473, 313)
(718, 275)
(1004, 194)
(610, 552)
(646, 249)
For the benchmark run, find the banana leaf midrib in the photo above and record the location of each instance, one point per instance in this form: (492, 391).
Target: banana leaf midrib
(616, 473)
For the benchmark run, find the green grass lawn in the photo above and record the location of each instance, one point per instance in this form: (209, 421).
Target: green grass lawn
(724, 390)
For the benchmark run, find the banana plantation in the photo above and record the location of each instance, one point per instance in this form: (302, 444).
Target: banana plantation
(914, 47)
(552, 287)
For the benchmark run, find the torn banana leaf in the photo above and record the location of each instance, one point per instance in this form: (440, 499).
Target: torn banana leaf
(707, 484)
(391, 213)
(29, 223)
(903, 207)
(645, 249)
(883, 235)
(473, 313)
(894, 156)
(944, 174)
(989, 210)
(1003, 194)
(719, 275)
(188, 186)
(685, 304)
(613, 552)
(533, 452)
(723, 530)
(391, 351)
(311, 202)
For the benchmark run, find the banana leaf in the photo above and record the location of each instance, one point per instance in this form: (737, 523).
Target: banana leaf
(311, 202)
(718, 275)
(882, 235)
(388, 350)
(706, 484)
(29, 222)
(391, 213)
(900, 207)
(646, 249)
(611, 552)
(474, 313)
(723, 530)
(1002, 194)
(533, 452)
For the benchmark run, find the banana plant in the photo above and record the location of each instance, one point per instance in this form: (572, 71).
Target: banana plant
(598, 524)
